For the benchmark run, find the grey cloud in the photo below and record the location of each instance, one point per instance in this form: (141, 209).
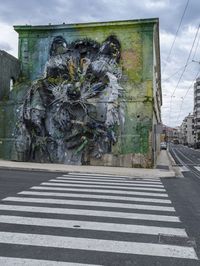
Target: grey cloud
(20, 11)
(58, 11)
(5, 46)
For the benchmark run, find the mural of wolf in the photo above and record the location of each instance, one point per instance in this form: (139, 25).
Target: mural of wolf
(75, 111)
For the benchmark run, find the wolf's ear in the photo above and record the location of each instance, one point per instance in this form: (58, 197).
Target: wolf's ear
(58, 46)
(111, 47)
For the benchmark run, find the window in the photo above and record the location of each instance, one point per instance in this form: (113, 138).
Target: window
(12, 82)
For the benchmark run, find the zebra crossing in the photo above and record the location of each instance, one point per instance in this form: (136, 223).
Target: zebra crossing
(91, 219)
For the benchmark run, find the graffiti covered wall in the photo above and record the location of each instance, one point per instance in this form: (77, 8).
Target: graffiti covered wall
(88, 93)
(73, 112)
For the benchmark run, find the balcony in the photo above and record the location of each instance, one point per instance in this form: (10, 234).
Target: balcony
(197, 97)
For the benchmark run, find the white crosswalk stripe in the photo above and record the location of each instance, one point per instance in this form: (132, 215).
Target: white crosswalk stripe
(112, 227)
(131, 182)
(96, 190)
(6, 261)
(115, 184)
(111, 214)
(91, 203)
(79, 195)
(58, 183)
(98, 245)
(102, 215)
(107, 177)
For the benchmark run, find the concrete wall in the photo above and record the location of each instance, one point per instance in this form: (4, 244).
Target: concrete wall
(140, 63)
(9, 69)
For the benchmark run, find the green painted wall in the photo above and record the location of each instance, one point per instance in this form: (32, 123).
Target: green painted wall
(136, 38)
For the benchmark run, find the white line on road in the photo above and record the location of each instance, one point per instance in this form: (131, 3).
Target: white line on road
(197, 167)
(91, 203)
(107, 191)
(99, 226)
(8, 261)
(123, 247)
(157, 179)
(184, 169)
(79, 195)
(83, 212)
(94, 174)
(93, 186)
(115, 184)
(112, 177)
(108, 180)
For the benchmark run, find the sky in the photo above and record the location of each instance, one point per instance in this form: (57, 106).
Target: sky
(179, 37)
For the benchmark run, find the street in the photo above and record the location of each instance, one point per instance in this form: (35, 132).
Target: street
(187, 158)
(90, 219)
(185, 192)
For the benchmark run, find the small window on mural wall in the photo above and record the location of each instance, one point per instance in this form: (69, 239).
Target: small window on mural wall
(12, 81)
(76, 110)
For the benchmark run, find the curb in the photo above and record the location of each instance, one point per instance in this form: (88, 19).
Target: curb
(158, 174)
(29, 169)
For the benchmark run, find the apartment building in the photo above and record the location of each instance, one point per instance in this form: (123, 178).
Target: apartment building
(187, 136)
(197, 112)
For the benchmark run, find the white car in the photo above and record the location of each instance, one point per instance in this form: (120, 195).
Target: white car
(163, 145)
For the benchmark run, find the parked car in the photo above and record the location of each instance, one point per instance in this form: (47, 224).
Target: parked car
(163, 145)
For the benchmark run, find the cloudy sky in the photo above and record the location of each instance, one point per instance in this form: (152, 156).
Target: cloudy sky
(178, 69)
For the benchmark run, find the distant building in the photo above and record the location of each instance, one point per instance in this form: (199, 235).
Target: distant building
(187, 136)
(169, 134)
(9, 73)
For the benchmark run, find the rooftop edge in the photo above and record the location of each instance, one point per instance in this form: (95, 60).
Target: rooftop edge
(88, 24)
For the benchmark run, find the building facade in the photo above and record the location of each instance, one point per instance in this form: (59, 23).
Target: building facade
(169, 134)
(9, 73)
(91, 94)
(187, 133)
(197, 112)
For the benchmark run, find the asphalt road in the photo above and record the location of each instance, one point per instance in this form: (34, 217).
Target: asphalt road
(77, 220)
(187, 158)
(185, 192)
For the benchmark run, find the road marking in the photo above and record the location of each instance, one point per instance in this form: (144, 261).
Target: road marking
(79, 212)
(122, 178)
(7, 261)
(95, 174)
(111, 177)
(197, 167)
(92, 186)
(78, 195)
(108, 180)
(115, 184)
(119, 192)
(149, 179)
(91, 203)
(184, 169)
(123, 247)
(99, 226)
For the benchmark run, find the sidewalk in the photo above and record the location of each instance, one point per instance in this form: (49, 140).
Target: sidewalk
(163, 169)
